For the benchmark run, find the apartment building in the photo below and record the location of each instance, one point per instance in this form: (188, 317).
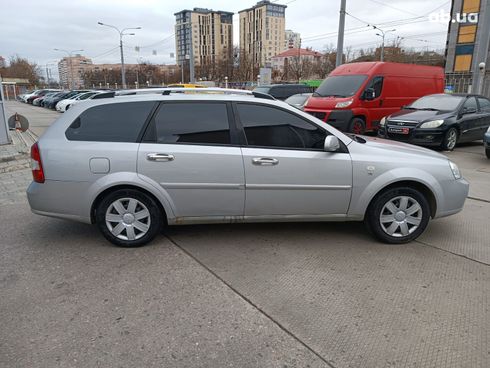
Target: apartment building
(211, 33)
(262, 32)
(71, 69)
(292, 40)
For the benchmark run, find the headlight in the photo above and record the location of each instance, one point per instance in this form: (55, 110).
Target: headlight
(432, 124)
(382, 122)
(341, 105)
(488, 130)
(455, 170)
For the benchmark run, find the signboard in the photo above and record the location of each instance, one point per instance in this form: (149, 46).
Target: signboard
(265, 75)
(4, 137)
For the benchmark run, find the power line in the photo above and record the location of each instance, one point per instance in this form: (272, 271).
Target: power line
(392, 7)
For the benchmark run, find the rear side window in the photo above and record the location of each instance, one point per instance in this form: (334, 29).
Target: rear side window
(118, 122)
(267, 126)
(190, 122)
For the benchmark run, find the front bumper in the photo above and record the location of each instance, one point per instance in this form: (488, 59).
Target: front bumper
(455, 194)
(339, 119)
(421, 137)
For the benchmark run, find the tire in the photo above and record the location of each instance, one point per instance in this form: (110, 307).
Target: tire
(122, 231)
(67, 107)
(357, 126)
(487, 152)
(450, 139)
(386, 216)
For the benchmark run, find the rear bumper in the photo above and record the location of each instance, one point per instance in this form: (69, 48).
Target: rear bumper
(60, 199)
(339, 119)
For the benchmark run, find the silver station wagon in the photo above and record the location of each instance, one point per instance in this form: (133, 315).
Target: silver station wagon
(134, 164)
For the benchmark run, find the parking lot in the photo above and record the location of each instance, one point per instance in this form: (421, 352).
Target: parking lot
(255, 295)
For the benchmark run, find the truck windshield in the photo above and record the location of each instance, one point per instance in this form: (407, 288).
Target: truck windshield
(340, 86)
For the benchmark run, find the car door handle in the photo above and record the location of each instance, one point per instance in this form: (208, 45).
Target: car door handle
(265, 161)
(160, 157)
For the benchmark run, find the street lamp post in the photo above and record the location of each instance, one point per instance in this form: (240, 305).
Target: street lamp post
(70, 55)
(382, 34)
(121, 34)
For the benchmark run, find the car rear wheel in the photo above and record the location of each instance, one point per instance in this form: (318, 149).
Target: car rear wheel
(398, 215)
(357, 126)
(129, 218)
(450, 139)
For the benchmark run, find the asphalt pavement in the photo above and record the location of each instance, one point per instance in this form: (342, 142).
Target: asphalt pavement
(253, 295)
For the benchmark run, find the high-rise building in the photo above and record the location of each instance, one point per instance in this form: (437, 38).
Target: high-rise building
(71, 69)
(468, 46)
(211, 33)
(292, 40)
(262, 32)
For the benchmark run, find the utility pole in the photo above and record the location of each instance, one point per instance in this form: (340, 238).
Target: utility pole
(70, 56)
(340, 37)
(121, 34)
(383, 35)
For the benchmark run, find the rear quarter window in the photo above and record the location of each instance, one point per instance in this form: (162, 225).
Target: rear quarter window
(118, 122)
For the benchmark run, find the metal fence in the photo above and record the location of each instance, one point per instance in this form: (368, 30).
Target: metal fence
(463, 83)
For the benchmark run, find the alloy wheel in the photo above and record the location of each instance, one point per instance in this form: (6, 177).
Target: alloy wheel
(451, 139)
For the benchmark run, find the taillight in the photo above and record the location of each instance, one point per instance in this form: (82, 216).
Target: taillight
(36, 164)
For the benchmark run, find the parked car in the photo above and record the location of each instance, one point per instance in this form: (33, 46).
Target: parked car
(52, 102)
(133, 164)
(38, 101)
(355, 96)
(283, 91)
(65, 104)
(46, 102)
(39, 93)
(25, 96)
(298, 100)
(185, 85)
(440, 120)
(90, 96)
(486, 142)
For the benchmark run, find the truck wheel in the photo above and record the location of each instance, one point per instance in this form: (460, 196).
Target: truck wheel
(450, 139)
(129, 218)
(357, 126)
(398, 215)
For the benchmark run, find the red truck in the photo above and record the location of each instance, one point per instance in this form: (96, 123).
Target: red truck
(355, 97)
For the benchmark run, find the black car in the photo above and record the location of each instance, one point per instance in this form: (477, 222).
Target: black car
(283, 91)
(440, 120)
(51, 103)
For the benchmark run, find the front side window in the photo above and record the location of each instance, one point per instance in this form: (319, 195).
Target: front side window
(470, 104)
(484, 104)
(267, 126)
(117, 122)
(376, 84)
(190, 122)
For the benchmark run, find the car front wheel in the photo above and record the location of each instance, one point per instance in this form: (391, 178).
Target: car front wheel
(129, 218)
(450, 139)
(398, 215)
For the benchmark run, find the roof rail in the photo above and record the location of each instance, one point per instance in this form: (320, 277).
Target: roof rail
(226, 91)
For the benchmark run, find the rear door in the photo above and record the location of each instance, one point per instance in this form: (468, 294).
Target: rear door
(187, 150)
(470, 122)
(287, 171)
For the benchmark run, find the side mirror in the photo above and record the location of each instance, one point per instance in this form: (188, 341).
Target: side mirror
(468, 110)
(332, 144)
(369, 94)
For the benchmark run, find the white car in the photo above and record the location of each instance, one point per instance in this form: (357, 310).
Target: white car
(93, 94)
(64, 105)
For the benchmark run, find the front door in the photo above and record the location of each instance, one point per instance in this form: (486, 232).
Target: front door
(187, 151)
(286, 169)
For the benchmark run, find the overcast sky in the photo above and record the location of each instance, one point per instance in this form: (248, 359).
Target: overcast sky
(32, 29)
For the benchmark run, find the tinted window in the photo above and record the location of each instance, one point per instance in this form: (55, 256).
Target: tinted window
(376, 84)
(271, 127)
(484, 104)
(470, 104)
(437, 102)
(341, 85)
(262, 89)
(194, 122)
(119, 122)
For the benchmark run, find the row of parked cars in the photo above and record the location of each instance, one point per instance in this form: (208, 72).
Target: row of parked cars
(402, 102)
(56, 99)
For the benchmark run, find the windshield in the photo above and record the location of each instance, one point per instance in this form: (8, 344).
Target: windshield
(340, 85)
(84, 96)
(437, 102)
(262, 89)
(297, 99)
